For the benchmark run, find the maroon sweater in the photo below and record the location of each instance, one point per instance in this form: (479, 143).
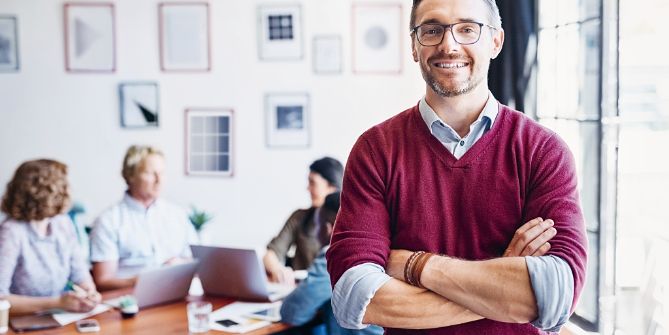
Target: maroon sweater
(404, 190)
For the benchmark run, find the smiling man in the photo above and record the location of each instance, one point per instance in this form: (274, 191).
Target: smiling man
(447, 208)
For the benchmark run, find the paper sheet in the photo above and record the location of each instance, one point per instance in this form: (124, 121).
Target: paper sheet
(236, 321)
(67, 318)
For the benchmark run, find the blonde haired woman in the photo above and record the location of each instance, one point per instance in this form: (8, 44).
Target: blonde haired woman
(38, 245)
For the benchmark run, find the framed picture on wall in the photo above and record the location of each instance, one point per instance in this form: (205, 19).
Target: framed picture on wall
(327, 54)
(9, 49)
(184, 36)
(90, 42)
(287, 120)
(376, 38)
(209, 142)
(280, 32)
(139, 104)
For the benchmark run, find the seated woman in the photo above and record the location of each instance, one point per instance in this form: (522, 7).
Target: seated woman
(314, 293)
(141, 230)
(325, 177)
(39, 253)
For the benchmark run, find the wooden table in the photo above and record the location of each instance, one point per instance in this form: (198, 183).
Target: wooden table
(164, 319)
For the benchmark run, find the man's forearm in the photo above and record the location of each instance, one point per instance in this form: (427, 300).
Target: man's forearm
(497, 289)
(400, 305)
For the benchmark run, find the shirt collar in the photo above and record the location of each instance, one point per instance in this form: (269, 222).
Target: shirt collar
(490, 111)
(132, 203)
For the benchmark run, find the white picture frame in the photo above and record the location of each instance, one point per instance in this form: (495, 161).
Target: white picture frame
(209, 142)
(287, 120)
(90, 42)
(140, 106)
(280, 32)
(377, 32)
(184, 36)
(327, 55)
(9, 48)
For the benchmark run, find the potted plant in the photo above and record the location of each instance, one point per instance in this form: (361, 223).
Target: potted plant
(198, 218)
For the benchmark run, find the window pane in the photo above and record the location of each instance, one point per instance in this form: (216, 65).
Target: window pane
(223, 162)
(196, 125)
(568, 74)
(224, 124)
(211, 144)
(197, 144)
(568, 11)
(548, 10)
(547, 73)
(223, 144)
(211, 125)
(196, 163)
(210, 163)
(590, 70)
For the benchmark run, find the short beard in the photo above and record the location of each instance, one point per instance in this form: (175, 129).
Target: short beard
(470, 85)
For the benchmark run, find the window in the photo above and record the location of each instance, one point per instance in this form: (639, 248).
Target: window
(642, 272)
(209, 142)
(568, 101)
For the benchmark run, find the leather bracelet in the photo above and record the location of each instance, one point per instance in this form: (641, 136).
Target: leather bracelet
(408, 267)
(418, 268)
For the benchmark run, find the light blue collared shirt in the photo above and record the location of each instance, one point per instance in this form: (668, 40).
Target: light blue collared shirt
(456, 144)
(551, 277)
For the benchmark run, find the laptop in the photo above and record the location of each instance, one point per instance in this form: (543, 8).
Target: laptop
(236, 273)
(162, 285)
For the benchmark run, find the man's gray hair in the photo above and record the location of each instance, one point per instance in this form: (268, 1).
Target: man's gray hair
(493, 14)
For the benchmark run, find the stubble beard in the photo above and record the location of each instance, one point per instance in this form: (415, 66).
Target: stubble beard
(457, 89)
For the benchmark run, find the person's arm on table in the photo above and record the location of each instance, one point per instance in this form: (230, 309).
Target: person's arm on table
(104, 274)
(275, 256)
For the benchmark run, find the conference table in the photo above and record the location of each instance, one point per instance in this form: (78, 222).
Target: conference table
(164, 319)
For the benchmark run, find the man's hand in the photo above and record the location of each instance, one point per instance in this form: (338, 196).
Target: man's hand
(531, 239)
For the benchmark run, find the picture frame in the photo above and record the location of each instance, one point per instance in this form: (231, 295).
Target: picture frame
(9, 44)
(139, 104)
(184, 36)
(90, 37)
(376, 30)
(327, 56)
(209, 142)
(287, 120)
(280, 32)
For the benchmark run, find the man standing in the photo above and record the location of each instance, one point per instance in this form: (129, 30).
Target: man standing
(430, 233)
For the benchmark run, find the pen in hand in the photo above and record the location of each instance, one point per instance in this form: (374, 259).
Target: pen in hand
(83, 293)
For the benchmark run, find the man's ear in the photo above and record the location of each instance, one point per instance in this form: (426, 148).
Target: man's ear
(414, 52)
(497, 42)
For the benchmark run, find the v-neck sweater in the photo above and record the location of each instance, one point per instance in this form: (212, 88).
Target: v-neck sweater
(403, 190)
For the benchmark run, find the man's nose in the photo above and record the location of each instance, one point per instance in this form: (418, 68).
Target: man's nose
(448, 43)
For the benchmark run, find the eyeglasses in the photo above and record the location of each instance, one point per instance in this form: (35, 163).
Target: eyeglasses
(430, 34)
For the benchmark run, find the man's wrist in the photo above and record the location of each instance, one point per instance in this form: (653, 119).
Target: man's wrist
(434, 271)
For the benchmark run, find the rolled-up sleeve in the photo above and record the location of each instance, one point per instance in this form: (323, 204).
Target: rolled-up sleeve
(354, 291)
(553, 286)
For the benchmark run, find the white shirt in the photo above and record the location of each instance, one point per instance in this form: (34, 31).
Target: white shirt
(141, 237)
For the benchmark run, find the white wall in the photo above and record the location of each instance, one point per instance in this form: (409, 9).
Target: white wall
(46, 112)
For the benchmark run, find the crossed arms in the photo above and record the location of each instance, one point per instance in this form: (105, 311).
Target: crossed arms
(460, 291)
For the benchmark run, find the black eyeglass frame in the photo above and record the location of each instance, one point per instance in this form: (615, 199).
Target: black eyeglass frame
(446, 27)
